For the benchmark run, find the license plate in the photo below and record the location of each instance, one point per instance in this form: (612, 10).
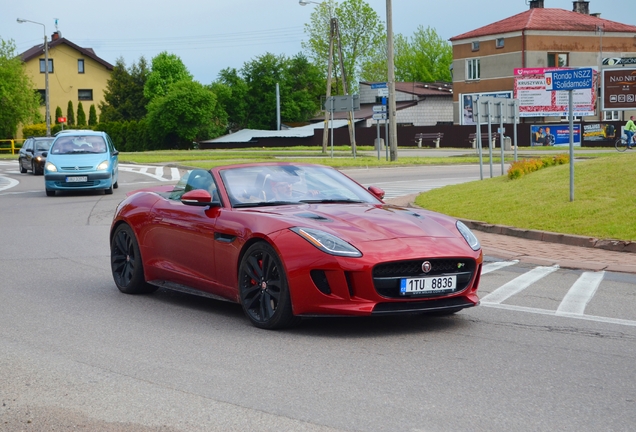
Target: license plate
(428, 285)
(76, 179)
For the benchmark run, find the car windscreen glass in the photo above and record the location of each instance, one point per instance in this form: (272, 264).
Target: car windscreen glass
(43, 145)
(291, 184)
(78, 144)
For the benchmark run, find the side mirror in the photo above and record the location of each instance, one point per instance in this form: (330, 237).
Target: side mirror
(29, 150)
(199, 197)
(377, 192)
(45, 154)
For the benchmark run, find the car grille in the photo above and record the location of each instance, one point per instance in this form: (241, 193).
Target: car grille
(79, 168)
(387, 276)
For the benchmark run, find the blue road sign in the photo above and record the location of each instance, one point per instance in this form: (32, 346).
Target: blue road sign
(378, 85)
(571, 79)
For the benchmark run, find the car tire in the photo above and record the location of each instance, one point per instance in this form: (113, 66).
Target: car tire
(22, 169)
(126, 263)
(263, 288)
(34, 169)
(50, 192)
(109, 191)
(115, 185)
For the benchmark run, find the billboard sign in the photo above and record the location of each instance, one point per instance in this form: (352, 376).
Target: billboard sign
(619, 89)
(534, 101)
(554, 135)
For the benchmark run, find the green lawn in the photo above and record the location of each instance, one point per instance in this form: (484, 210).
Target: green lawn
(604, 203)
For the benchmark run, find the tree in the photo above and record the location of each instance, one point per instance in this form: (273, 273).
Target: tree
(301, 91)
(19, 103)
(81, 115)
(361, 35)
(425, 57)
(70, 114)
(167, 69)
(58, 114)
(124, 95)
(92, 115)
(231, 92)
(188, 112)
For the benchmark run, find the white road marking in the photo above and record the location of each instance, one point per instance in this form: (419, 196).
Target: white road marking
(606, 320)
(7, 183)
(518, 284)
(580, 294)
(494, 266)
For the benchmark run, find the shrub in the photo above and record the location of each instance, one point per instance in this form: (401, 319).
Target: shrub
(526, 166)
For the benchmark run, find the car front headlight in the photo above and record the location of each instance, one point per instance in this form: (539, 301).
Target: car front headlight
(468, 235)
(102, 166)
(50, 167)
(327, 243)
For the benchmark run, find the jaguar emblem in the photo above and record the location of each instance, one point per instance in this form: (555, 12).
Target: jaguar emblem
(426, 266)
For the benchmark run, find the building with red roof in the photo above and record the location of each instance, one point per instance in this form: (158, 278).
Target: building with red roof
(485, 59)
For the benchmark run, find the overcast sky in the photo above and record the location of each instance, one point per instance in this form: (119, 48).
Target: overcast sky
(210, 36)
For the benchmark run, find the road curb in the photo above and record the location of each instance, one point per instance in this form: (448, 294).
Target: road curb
(546, 236)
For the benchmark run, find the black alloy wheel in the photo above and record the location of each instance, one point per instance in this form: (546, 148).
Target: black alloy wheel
(126, 264)
(22, 168)
(263, 288)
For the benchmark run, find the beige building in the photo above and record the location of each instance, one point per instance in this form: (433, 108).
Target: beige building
(76, 74)
(484, 60)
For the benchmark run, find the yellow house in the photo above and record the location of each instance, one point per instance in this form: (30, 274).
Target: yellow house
(76, 74)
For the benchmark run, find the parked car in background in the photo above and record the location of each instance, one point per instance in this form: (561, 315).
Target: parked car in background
(32, 155)
(288, 241)
(81, 160)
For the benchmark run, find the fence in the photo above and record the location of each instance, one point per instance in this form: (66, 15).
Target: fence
(11, 146)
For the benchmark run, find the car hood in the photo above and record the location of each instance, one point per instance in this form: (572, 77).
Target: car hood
(367, 222)
(79, 160)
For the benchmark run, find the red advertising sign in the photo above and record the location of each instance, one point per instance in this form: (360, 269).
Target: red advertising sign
(61, 119)
(535, 101)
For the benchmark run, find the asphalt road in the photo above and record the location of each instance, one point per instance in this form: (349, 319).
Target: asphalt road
(77, 354)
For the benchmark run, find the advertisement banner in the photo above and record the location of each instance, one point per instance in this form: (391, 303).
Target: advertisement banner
(554, 135)
(469, 104)
(619, 89)
(536, 101)
(599, 132)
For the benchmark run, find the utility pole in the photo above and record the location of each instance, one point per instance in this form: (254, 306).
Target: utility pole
(391, 83)
(352, 137)
(325, 135)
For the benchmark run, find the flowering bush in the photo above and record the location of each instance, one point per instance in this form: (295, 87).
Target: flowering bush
(526, 166)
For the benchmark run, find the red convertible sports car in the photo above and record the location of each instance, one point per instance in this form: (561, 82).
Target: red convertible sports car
(288, 241)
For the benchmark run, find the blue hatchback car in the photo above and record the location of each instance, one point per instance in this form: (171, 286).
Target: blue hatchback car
(81, 160)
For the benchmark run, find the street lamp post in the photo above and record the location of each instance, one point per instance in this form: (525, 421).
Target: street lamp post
(46, 76)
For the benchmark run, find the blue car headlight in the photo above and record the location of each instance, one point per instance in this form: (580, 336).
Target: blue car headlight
(50, 167)
(468, 235)
(102, 166)
(327, 243)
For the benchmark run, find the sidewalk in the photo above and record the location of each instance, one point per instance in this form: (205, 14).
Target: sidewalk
(547, 249)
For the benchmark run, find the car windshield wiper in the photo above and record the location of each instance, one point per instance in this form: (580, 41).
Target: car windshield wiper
(264, 204)
(331, 201)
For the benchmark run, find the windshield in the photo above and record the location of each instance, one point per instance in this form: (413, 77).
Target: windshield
(74, 144)
(43, 145)
(253, 186)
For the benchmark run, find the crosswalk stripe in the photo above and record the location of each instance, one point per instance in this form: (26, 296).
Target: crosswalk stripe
(491, 267)
(580, 293)
(518, 284)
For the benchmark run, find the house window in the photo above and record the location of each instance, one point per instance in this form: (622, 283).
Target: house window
(80, 66)
(475, 45)
(499, 42)
(610, 115)
(42, 94)
(42, 61)
(473, 71)
(85, 94)
(557, 59)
